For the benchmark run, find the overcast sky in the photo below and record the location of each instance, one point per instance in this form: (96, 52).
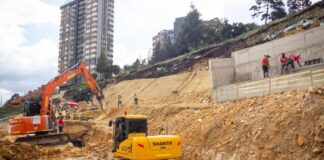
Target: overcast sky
(29, 31)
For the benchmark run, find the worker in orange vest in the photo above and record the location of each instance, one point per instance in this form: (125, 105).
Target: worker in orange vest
(265, 66)
(283, 61)
(291, 61)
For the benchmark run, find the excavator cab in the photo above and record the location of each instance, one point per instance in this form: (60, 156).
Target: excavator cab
(31, 108)
(129, 126)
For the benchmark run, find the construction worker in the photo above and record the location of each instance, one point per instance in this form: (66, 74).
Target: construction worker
(291, 61)
(67, 116)
(283, 61)
(265, 66)
(135, 99)
(120, 101)
(60, 123)
(162, 131)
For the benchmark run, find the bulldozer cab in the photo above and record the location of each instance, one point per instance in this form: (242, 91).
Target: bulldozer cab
(129, 126)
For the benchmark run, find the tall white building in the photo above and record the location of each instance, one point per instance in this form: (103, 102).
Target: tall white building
(86, 31)
(162, 37)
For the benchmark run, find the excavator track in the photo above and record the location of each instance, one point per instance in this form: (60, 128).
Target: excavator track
(46, 140)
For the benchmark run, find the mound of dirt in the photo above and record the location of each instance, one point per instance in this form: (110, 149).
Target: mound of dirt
(23, 151)
(83, 106)
(99, 143)
(77, 129)
(97, 138)
(3, 130)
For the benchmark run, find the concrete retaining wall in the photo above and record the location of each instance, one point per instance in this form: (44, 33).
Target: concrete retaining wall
(221, 71)
(225, 93)
(308, 44)
(302, 80)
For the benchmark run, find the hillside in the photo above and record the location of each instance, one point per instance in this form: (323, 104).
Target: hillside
(278, 126)
(274, 30)
(174, 89)
(10, 110)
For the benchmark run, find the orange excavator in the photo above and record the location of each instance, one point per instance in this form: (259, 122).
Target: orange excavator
(38, 123)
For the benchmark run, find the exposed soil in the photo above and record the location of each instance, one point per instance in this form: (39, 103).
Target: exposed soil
(278, 126)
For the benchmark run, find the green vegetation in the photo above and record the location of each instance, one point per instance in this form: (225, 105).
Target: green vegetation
(195, 34)
(136, 66)
(268, 9)
(297, 5)
(10, 110)
(197, 38)
(105, 69)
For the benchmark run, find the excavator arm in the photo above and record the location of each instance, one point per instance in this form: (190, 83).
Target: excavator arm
(78, 69)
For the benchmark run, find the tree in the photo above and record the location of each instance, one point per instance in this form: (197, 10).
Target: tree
(106, 69)
(157, 53)
(113, 69)
(224, 31)
(143, 62)
(278, 10)
(296, 5)
(102, 64)
(116, 69)
(191, 34)
(136, 65)
(168, 49)
(268, 9)
(127, 68)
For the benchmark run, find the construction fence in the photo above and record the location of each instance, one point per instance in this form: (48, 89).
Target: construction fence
(300, 80)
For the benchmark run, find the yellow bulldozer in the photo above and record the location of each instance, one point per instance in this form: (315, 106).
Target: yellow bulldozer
(132, 142)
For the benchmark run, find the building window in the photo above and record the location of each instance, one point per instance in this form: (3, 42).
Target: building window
(93, 50)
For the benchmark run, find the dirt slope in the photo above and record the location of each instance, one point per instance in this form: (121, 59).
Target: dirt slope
(279, 126)
(169, 89)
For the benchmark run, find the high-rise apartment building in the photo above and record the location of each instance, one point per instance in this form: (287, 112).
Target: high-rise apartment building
(86, 31)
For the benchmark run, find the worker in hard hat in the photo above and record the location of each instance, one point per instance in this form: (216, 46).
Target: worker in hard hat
(135, 99)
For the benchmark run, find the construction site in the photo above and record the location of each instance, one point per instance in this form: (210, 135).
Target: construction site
(276, 126)
(216, 104)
